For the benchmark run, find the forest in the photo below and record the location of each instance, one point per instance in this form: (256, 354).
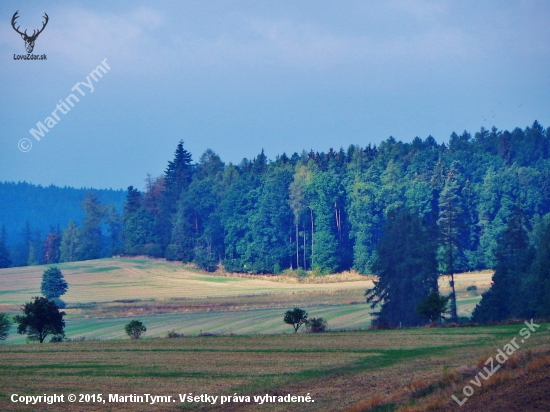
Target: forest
(427, 208)
(313, 211)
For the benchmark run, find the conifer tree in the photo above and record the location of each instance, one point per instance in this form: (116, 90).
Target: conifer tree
(5, 260)
(90, 238)
(450, 222)
(53, 283)
(406, 267)
(52, 245)
(514, 256)
(69, 243)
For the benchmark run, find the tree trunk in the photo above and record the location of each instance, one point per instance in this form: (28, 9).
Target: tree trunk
(297, 248)
(305, 261)
(311, 213)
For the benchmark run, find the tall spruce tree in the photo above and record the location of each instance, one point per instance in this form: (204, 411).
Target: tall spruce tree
(177, 178)
(406, 267)
(450, 222)
(514, 256)
(90, 234)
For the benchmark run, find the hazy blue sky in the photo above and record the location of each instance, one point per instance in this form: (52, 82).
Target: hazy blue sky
(239, 76)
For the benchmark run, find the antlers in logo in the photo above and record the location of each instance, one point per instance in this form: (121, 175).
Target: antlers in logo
(29, 40)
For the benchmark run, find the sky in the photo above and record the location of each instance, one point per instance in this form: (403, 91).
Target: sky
(241, 76)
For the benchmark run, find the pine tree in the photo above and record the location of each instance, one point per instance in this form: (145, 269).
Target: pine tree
(53, 284)
(90, 235)
(514, 256)
(450, 222)
(177, 178)
(133, 203)
(406, 267)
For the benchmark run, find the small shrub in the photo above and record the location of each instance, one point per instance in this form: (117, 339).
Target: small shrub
(135, 329)
(57, 338)
(207, 334)
(174, 334)
(316, 325)
(471, 288)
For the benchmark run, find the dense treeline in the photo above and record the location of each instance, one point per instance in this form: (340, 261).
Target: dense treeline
(407, 212)
(324, 211)
(28, 212)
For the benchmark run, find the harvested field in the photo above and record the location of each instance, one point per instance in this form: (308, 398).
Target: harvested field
(337, 369)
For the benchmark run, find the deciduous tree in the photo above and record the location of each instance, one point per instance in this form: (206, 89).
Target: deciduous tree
(41, 317)
(135, 329)
(296, 317)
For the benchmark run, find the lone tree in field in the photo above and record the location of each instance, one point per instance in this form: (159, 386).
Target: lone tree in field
(135, 329)
(5, 325)
(53, 284)
(296, 317)
(433, 307)
(41, 317)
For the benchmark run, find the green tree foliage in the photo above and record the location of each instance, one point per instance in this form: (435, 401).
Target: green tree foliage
(139, 231)
(536, 288)
(5, 325)
(53, 283)
(324, 191)
(451, 221)
(52, 247)
(295, 317)
(115, 229)
(69, 243)
(406, 267)
(299, 203)
(135, 329)
(40, 318)
(514, 256)
(433, 307)
(90, 236)
(314, 210)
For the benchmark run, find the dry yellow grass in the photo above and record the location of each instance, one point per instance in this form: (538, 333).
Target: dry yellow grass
(107, 280)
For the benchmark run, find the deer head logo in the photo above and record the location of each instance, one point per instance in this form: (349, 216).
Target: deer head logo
(29, 40)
